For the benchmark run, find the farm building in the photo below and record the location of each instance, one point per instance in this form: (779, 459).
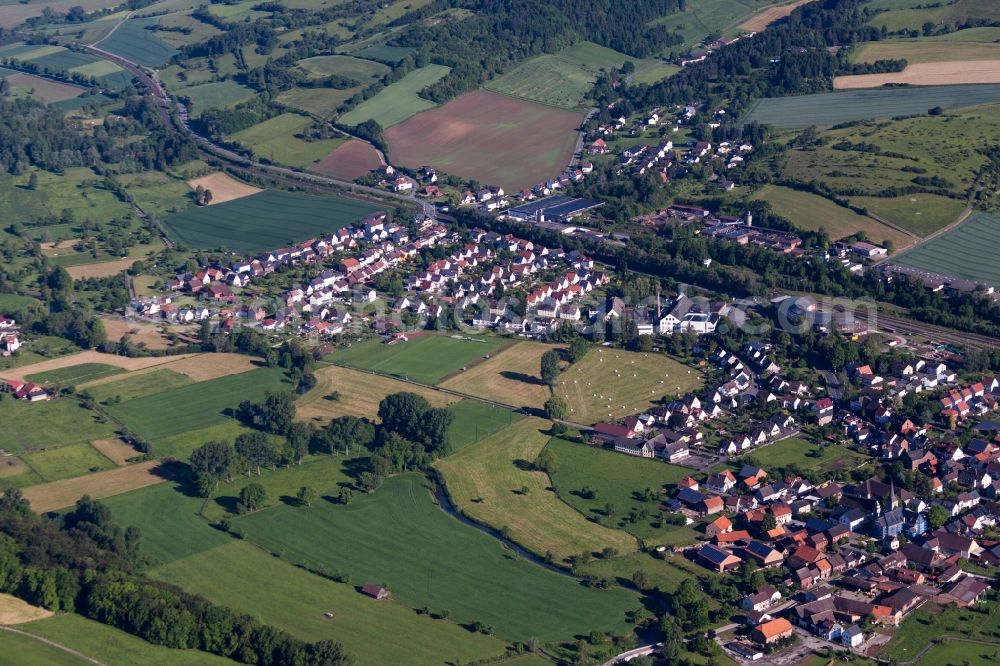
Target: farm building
(375, 591)
(559, 208)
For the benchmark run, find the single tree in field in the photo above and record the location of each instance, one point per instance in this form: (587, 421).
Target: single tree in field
(252, 497)
(306, 496)
(550, 366)
(256, 447)
(555, 408)
(346, 495)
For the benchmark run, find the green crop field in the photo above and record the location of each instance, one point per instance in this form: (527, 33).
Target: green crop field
(476, 420)
(33, 426)
(137, 385)
(808, 456)
(400, 537)
(619, 480)
(967, 251)
(62, 60)
(348, 66)
(112, 646)
(244, 577)
(706, 17)
(278, 140)
(824, 109)
(812, 212)
(76, 374)
(426, 358)
(67, 462)
(218, 95)
(654, 72)
(264, 221)
(322, 102)
(24, 651)
(918, 50)
(398, 101)
(921, 213)
(197, 406)
(134, 42)
(181, 444)
(908, 17)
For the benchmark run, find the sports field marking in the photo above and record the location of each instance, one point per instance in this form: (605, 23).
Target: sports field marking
(61, 494)
(18, 611)
(223, 187)
(927, 74)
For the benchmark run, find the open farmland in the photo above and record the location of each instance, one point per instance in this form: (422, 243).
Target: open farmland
(924, 50)
(45, 90)
(279, 140)
(921, 213)
(967, 251)
(491, 138)
(84, 357)
(912, 18)
(706, 17)
(76, 374)
(217, 95)
(223, 187)
(766, 17)
(627, 381)
(17, 611)
(115, 450)
(475, 421)
(444, 564)
(812, 212)
(295, 600)
(824, 109)
(322, 102)
(510, 377)
(64, 493)
(67, 462)
(487, 482)
(265, 221)
(12, 15)
(342, 65)
(620, 480)
(351, 159)
(397, 101)
(138, 384)
(360, 394)
(133, 41)
(37, 426)
(33, 652)
(927, 74)
(425, 358)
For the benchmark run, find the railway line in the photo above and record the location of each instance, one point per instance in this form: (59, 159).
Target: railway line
(933, 332)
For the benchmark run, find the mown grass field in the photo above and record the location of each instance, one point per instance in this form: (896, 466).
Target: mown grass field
(621, 481)
(33, 426)
(348, 66)
(426, 358)
(278, 140)
(398, 101)
(137, 385)
(295, 600)
(809, 456)
(474, 421)
(487, 480)
(248, 224)
(197, 406)
(812, 212)
(217, 95)
(67, 462)
(322, 102)
(398, 536)
(919, 50)
(610, 383)
(510, 377)
(25, 651)
(112, 646)
(921, 213)
(825, 109)
(76, 374)
(968, 251)
(909, 17)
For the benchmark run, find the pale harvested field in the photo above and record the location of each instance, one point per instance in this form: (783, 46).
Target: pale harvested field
(202, 367)
(510, 377)
(927, 74)
(115, 450)
(360, 394)
(485, 482)
(61, 494)
(100, 269)
(766, 17)
(60, 245)
(145, 332)
(611, 384)
(89, 356)
(223, 187)
(18, 611)
(12, 466)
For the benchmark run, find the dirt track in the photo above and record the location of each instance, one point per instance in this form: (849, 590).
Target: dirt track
(927, 74)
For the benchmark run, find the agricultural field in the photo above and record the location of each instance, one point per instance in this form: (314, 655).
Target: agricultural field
(113, 646)
(812, 212)
(510, 377)
(654, 72)
(927, 74)
(115, 450)
(810, 457)
(620, 481)
(322, 102)
(426, 358)
(397, 101)
(216, 95)
(76, 188)
(921, 213)
(350, 160)
(384, 52)
(610, 383)
(21, 650)
(65, 492)
(223, 187)
(342, 65)
(360, 394)
(706, 17)
(909, 17)
(766, 17)
(196, 406)
(492, 482)
(445, 564)
(475, 421)
(77, 374)
(562, 79)
(41, 89)
(248, 224)
(160, 193)
(133, 41)
(825, 109)
(967, 251)
(12, 15)
(488, 137)
(67, 462)
(279, 140)
(17, 611)
(925, 50)
(37, 426)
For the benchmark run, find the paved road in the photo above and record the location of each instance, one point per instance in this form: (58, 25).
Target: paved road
(635, 653)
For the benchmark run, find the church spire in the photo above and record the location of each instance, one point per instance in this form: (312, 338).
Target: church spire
(892, 495)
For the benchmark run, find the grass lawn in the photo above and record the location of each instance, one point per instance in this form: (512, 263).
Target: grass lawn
(360, 395)
(969, 250)
(398, 536)
(24, 651)
(486, 482)
(956, 651)
(322, 102)
(113, 646)
(921, 213)
(247, 224)
(77, 374)
(32, 426)
(244, 577)
(192, 407)
(611, 383)
(619, 480)
(510, 377)
(277, 140)
(67, 462)
(806, 455)
(812, 212)
(426, 358)
(933, 621)
(398, 101)
(140, 384)
(475, 421)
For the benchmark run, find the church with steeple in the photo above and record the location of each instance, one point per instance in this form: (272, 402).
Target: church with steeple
(891, 522)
